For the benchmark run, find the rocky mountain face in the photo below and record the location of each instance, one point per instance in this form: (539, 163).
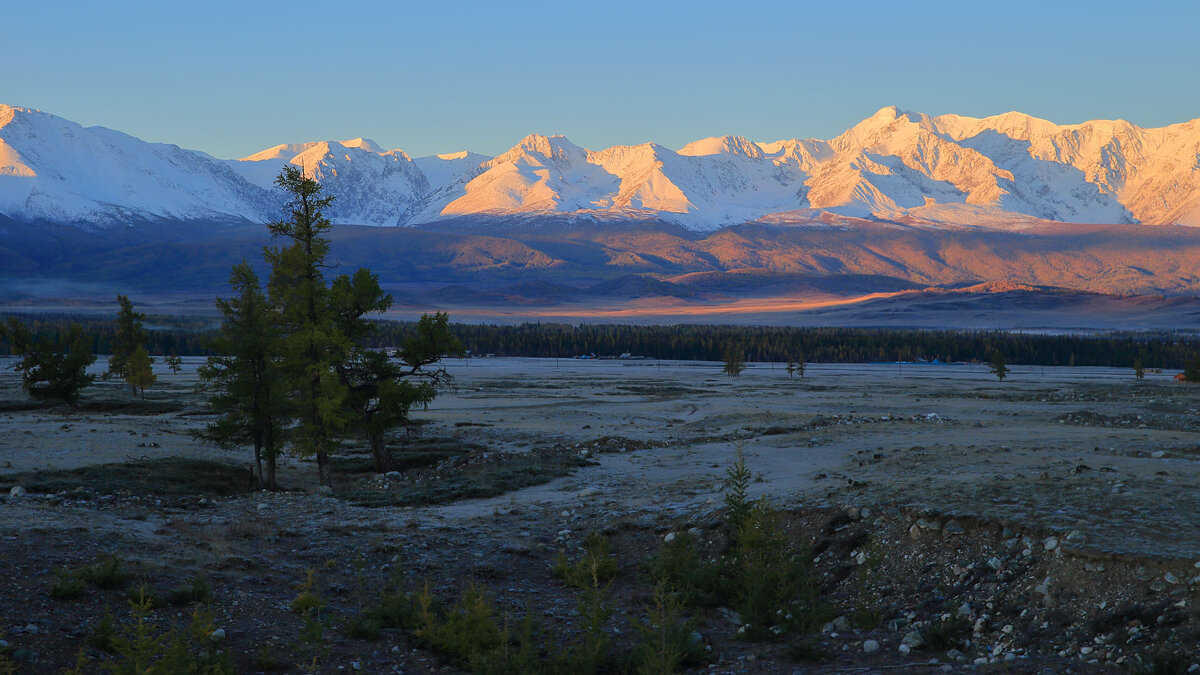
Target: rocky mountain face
(1003, 172)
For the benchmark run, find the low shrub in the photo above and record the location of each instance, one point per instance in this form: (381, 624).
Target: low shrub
(948, 632)
(194, 591)
(106, 573)
(596, 564)
(67, 584)
(667, 640)
(143, 647)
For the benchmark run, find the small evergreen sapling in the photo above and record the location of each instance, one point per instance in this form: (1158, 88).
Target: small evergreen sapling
(998, 366)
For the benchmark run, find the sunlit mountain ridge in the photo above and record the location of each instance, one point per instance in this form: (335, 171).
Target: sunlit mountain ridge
(1008, 171)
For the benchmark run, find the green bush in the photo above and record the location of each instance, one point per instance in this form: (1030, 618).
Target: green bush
(265, 660)
(467, 629)
(363, 627)
(680, 568)
(307, 600)
(195, 591)
(596, 564)
(67, 584)
(104, 635)
(946, 633)
(770, 580)
(106, 573)
(141, 647)
(666, 644)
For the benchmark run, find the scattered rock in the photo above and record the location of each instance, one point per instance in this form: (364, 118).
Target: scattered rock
(17, 491)
(870, 646)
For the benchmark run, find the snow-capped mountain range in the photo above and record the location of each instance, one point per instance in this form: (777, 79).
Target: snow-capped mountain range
(1001, 171)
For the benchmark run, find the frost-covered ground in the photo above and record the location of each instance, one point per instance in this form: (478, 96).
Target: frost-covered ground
(1069, 446)
(1055, 511)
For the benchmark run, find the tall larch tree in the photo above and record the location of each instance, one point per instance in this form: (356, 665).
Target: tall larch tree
(310, 343)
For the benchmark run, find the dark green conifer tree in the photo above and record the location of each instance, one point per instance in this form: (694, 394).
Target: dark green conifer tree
(311, 345)
(51, 369)
(129, 336)
(243, 382)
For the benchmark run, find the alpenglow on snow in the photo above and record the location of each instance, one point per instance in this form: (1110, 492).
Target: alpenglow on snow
(1000, 171)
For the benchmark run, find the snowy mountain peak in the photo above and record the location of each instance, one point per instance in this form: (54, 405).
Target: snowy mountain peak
(722, 145)
(363, 144)
(549, 147)
(896, 164)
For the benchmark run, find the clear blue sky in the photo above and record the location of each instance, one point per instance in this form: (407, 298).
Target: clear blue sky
(232, 78)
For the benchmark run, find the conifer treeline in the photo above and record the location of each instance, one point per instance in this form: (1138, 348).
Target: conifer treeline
(192, 336)
(824, 345)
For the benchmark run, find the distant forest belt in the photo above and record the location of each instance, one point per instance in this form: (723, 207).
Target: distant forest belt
(190, 336)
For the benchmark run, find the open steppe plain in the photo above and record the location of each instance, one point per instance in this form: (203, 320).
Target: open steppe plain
(1053, 516)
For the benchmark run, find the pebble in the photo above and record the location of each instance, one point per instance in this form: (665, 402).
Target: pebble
(871, 646)
(1044, 587)
(17, 491)
(262, 507)
(1157, 454)
(1051, 543)
(669, 538)
(904, 649)
(218, 634)
(952, 529)
(1170, 578)
(912, 639)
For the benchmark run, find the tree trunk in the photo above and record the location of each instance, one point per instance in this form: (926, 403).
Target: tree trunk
(259, 463)
(384, 462)
(271, 485)
(323, 468)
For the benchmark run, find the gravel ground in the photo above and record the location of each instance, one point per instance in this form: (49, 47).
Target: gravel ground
(1052, 514)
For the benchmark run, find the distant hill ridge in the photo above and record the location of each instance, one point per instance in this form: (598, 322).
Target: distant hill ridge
(1008, 171)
